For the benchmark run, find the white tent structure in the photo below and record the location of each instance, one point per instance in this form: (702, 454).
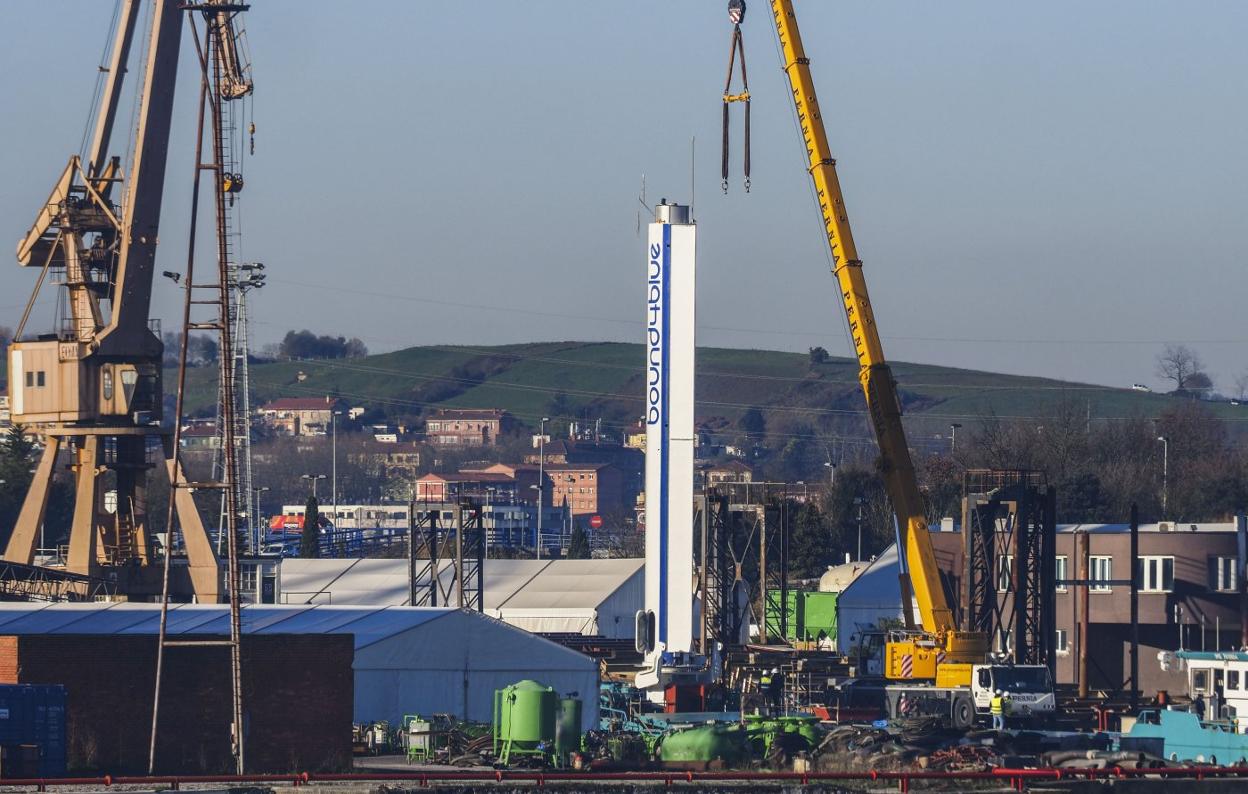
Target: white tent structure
(407, 661)
(873, 596)
(590, 597)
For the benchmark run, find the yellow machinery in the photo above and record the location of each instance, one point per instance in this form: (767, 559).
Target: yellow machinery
(938, 652)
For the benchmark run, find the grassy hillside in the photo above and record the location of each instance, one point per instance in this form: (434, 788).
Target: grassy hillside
(590, 380)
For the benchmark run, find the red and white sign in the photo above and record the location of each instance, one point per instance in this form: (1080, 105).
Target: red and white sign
(595, 522)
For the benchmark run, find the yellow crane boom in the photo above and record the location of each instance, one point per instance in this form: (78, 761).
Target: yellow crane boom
(878, 385)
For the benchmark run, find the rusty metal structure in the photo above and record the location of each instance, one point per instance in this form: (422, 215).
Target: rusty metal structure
(1009, 521)
(224, 77)
(742, 559)
(432, 546)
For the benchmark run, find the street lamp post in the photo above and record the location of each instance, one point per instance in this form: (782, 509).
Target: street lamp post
(953, 437)
(261, 530)
(313, 478)
(541, 484)
(858, 502)
(333, 487)
(831, 467)
(1165, 472)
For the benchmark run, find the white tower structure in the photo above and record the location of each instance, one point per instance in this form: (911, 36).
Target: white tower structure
(665, 628)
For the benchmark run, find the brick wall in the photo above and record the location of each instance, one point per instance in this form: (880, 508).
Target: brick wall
(298, 695)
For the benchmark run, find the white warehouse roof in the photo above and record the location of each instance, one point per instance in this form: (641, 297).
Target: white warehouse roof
(565, 596)
(407, 661)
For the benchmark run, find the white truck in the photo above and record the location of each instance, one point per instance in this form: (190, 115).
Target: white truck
(1028, 687)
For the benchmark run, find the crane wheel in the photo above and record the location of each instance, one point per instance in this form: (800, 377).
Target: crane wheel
(962, 715)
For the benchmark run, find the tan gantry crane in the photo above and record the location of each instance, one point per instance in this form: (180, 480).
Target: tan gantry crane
(93, 385)
(940, 652)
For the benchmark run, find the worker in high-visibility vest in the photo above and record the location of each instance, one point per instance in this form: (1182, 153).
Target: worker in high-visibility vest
(998, 711)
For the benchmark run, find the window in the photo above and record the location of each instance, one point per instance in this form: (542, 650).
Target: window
(1156, 574)
(247, 580)
(1232, 679)
(1222, 574)
(39, 379)
(1059, 643)
(30, 380)
(1060, 573)
(1102, 569)
(1005, 572)
(1200, 681)
(1005, 641)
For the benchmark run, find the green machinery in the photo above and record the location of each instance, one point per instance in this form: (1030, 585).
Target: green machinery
(530, 720)
(809, 616)
(734, 745)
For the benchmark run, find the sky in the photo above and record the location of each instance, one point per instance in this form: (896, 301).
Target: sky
(1052, 188)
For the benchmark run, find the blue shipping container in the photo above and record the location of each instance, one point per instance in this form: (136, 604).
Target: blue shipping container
(35, 714)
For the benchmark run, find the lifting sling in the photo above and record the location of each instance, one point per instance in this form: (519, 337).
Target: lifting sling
(736, 14)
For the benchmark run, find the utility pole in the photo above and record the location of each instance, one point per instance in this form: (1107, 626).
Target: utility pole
(953, 437)
(333, 421)
(1165, 472)
(1135, 607)
(858, 502)
(541, 484)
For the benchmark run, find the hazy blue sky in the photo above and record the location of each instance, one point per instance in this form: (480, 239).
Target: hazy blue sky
(1052, 188)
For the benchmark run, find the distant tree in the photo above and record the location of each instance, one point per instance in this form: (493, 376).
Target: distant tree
(560, 405)
(6, 336)
(578, 545)
(1199, 383)
(1241, 386)
(1180, 363)
(752, 423)
(818, 355)
(17, 456)
(305, 345)
(202, 350)
(310, 542)
(812, 546)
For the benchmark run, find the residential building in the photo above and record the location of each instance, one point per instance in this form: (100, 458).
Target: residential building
(734, 471)
(387, 458)
(6, 415)
(1189, 594)
(589, 488)
(200, 435)
(455, 427)
(434, 487)
(300, 416)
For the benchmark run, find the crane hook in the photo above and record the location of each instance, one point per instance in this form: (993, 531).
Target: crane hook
(736, 14)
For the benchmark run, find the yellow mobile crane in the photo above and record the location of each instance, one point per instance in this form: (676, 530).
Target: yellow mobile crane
(936, 659)
(940, 652)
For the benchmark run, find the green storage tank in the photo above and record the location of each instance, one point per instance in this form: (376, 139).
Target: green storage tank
(568, 729)
(704, 745)
(524, 720)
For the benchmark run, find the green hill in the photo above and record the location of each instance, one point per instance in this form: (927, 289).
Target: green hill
(588, 381)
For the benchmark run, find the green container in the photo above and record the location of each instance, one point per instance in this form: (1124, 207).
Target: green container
(568, 729)
(524, 719)
(818, 616)
(794, 606)
(704, 745)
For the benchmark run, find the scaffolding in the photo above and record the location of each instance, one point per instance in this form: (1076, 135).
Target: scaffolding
(742, 558)
(1009, 521)
(431, 547)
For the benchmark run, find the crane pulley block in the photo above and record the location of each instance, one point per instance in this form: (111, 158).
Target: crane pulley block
(736, 14)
